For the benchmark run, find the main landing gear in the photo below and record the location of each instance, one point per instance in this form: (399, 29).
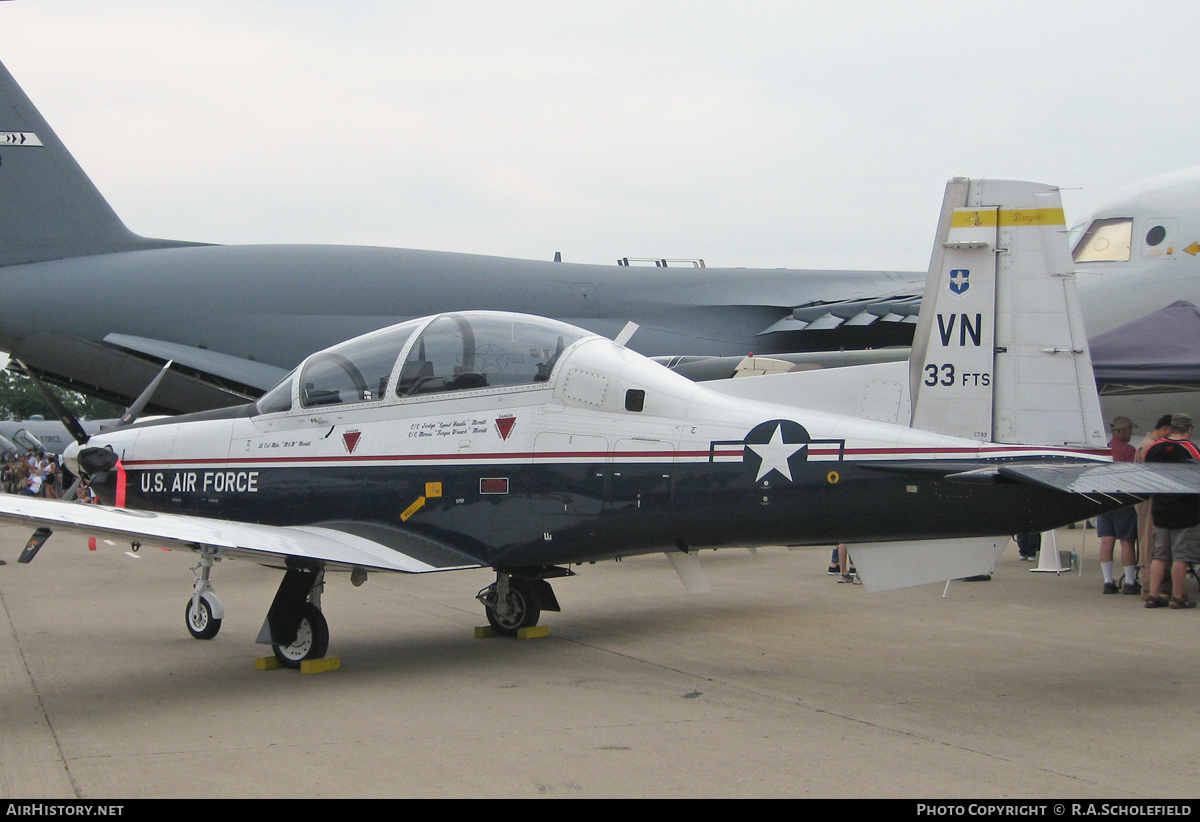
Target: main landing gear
(297, 631)
(295, 628)
(517, 598)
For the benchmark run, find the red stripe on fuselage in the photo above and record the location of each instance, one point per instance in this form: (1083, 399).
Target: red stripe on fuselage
(605, 455)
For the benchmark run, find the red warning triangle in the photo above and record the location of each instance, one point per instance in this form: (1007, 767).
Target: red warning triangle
(505, 426)
(350, 438)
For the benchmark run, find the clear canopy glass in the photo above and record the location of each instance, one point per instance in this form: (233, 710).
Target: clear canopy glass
(470, 350)
(452, 352)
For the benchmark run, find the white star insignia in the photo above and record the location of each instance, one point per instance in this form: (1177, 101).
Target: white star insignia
(775, 454)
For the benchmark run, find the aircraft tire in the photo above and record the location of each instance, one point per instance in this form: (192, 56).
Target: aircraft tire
(523, 610)
(312, 639)
(201, 624)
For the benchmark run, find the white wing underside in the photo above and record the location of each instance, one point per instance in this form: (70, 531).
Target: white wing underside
(405, 552)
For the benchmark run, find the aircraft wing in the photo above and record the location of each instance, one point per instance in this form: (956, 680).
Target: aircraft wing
(899, 305)
(341, 544)
(225, 367)
(1134, 478)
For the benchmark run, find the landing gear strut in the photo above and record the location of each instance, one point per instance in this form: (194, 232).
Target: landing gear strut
(204, 611)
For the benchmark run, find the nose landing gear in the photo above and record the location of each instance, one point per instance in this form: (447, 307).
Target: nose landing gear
(204, 611)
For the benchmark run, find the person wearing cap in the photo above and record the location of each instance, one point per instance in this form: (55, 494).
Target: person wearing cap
(1119, 525)
(1176, 520)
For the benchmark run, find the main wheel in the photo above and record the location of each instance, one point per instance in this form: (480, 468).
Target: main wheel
(518, 610)
(201, 624)
(312, 639)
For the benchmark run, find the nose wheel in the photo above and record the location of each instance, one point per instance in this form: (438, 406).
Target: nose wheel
(201, 623)
(204, 612)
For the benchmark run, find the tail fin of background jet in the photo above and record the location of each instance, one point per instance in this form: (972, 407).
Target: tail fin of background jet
(1000, 353)
(49, 209)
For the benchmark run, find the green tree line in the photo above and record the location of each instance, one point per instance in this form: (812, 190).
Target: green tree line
(20, 400)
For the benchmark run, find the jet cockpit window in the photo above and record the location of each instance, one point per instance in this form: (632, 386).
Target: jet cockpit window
(278, 398)
(355, 371)
(1106, 240)
(469, 350)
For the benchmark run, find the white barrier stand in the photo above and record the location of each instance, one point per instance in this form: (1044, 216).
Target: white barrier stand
(1049, 559)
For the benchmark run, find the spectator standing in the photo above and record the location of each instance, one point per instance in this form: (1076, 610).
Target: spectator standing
(1176, 520)
(1119, 525)
(1145, 540)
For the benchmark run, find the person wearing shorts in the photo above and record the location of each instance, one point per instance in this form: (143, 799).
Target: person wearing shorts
(1176, 521)
(1119, 525)
(1177, 547)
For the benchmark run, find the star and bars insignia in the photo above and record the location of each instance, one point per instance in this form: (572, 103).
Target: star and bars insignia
(776, 446)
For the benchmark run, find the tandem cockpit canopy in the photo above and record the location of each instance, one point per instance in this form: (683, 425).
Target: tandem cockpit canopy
(433, 355)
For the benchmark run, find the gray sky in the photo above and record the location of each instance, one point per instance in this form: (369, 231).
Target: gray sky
(798, 134)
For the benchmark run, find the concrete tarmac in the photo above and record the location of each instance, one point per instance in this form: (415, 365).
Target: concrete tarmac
(781, 682)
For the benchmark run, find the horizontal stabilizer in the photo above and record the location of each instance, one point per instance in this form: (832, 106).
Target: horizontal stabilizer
(332, 543)
(885, 566)
(1133, 478)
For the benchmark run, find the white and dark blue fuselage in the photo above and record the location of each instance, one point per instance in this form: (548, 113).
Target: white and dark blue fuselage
(515, 442)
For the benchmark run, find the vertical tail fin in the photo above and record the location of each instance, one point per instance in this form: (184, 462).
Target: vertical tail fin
(49, 209)
(999, 351)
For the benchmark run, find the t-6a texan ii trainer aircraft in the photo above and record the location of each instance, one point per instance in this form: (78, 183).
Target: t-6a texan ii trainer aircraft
(527, 445)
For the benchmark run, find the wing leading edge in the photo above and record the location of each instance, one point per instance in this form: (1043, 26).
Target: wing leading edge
(339, 544)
